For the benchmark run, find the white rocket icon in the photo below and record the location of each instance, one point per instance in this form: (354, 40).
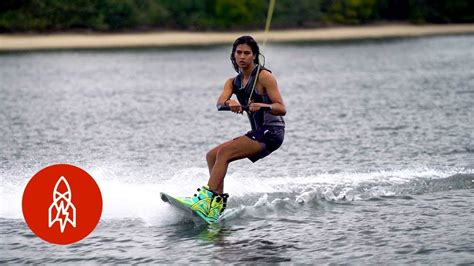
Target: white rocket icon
(62, 210)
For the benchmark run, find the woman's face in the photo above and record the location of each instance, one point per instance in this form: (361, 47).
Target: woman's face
(244, 56)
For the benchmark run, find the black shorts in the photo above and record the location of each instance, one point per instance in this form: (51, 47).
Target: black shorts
(270, 136)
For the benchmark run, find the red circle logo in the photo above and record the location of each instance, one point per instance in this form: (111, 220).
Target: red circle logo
(62, 204)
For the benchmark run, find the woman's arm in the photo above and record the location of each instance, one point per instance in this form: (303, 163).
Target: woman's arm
(269, 83)
(225, 100)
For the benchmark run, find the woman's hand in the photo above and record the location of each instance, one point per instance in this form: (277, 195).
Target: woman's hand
(234, 106)
(254, 107)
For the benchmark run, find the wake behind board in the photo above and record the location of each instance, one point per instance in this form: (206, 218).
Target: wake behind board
(184, 208)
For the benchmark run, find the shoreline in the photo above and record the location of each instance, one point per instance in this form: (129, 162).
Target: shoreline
(32, 42)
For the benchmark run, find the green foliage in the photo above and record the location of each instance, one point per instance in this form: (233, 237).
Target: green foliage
(289, 13)
(115, 15)
(350, 11)
(441, 11)
(244, 12)
(393, 10)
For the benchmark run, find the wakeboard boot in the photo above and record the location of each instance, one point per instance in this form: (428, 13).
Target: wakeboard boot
(201, 201)
(218, 205)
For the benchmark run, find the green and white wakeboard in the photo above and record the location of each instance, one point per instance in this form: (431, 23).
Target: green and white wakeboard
(179, 203)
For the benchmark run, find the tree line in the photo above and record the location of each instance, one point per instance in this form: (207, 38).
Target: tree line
(219, 15)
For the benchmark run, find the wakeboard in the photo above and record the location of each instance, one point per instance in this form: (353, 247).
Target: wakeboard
(185, 208)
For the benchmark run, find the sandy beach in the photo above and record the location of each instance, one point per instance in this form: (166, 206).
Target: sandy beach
(18, 42)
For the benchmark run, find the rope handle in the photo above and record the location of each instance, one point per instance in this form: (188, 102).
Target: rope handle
(244, 107)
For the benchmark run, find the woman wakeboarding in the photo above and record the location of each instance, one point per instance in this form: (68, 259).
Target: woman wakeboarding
(257, 94)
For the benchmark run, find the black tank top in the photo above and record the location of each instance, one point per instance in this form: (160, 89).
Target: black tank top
(262, 117)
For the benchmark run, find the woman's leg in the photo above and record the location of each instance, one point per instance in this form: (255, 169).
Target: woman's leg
(211, 161)
(219, 158)
(212, 154)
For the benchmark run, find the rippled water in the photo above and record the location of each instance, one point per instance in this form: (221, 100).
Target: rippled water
(377, 164)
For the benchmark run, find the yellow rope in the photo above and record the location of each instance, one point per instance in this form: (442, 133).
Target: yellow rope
(271, 7)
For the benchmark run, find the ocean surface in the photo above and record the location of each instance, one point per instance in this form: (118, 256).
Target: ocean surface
(377, 166)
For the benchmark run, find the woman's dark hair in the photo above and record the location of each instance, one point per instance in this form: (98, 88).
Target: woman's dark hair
(250, 42)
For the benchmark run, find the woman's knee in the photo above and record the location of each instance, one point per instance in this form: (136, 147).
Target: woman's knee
(211, 155)
(224, 154)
